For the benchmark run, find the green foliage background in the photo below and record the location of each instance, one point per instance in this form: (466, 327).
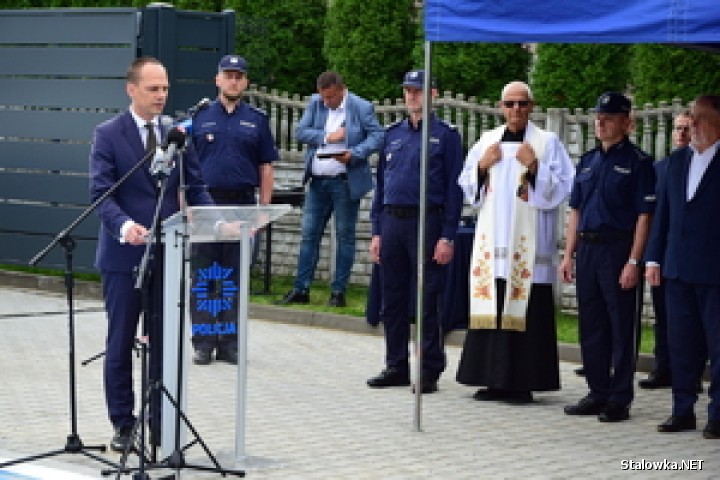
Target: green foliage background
(574, 75)
(662, 72)
(282, 42)
(475, 69)
(369, 44)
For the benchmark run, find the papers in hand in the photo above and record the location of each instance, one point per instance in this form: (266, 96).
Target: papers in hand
(331, 150)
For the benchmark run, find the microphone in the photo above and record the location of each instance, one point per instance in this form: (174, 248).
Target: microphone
(163, 162)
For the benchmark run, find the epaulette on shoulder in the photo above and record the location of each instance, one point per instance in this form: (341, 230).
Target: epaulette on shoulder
(451, 126)
(590, 152)
(641, 155)
(258, 110)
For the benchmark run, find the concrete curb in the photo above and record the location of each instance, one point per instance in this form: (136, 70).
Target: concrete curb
(86, 289)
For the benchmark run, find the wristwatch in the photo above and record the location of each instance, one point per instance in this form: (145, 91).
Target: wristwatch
(447, 240)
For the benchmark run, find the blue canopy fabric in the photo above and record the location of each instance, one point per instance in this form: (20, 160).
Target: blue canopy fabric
(573, 21)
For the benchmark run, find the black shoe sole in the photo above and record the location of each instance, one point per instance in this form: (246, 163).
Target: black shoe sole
(388, 385)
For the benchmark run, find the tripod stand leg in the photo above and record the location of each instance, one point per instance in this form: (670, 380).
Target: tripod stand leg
(73, 443)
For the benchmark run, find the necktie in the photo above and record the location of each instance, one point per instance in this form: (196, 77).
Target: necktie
(151, 143)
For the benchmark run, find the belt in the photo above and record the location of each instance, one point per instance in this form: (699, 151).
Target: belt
(605, 236)
(410, 211)
(339, 176)
(234, 194)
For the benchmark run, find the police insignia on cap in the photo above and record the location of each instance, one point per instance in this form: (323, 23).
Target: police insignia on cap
(605, 99)
(413, 75)
(233, 60)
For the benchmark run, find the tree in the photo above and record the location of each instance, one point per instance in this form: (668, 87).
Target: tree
(282, 41)
(574, 75)
(662, 72)
(370, 43)
(476, 69)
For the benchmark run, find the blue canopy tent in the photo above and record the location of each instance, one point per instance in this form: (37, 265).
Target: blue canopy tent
(691, 23)
(572, 21)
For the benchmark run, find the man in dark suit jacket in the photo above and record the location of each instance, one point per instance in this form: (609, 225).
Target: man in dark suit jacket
(341, 132)
(126, 217)
(683, 252)
(660, 376)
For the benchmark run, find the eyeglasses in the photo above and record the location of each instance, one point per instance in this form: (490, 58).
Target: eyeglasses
(512, 103)
(681, 128)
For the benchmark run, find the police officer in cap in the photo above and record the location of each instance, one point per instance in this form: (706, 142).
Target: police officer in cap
(394, 216)
(236, 151)
(611, 206)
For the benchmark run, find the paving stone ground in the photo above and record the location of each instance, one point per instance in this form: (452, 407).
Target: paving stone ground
(311, 416)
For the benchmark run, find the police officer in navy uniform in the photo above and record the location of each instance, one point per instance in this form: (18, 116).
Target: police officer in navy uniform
(236, 151)
(611, 204)
(394, 216)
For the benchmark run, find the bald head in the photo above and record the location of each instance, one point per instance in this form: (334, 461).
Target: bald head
(516, 86)
(516, 103)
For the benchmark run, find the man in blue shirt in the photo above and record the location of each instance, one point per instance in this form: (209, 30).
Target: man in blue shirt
(236, 151)
(394, 215)
(341, 132)
(612, 201)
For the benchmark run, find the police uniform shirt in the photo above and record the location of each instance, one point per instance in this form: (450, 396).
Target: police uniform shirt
(232, 146)
(611, 188)
(398, 172)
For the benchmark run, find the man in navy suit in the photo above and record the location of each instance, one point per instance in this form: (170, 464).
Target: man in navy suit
(660, 376)
(683, 252)
(126, 216)
(341, 132)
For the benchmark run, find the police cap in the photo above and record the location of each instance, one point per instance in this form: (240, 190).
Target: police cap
(232, 62)
(613, 102)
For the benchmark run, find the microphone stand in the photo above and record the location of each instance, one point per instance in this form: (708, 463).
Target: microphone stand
(74, 444)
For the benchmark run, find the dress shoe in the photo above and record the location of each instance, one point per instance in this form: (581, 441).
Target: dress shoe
(122, 438)
(489, 395)
(428, 386)
(229, 355)
(202, 357)
(294, 296)
(680, 423)
(389, 378)
(519, 398)
(712, 429)
(586, 406)
(614, 413)
(500, 395)
(337, 299)
(655, 380)
(580, 371)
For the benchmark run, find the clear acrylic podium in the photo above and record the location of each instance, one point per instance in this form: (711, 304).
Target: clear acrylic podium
(207, 224)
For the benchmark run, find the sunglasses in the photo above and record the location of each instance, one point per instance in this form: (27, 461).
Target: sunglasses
(512, 103)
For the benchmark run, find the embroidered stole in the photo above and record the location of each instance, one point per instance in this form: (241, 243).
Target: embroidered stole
(520, 253)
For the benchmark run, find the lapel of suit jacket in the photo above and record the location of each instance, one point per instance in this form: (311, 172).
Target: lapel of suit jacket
(710, 173)
(134, 139)
(322, 114)
(685, 172)
(350, 120)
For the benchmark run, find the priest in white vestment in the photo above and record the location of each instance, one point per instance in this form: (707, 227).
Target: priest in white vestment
(517, 175)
